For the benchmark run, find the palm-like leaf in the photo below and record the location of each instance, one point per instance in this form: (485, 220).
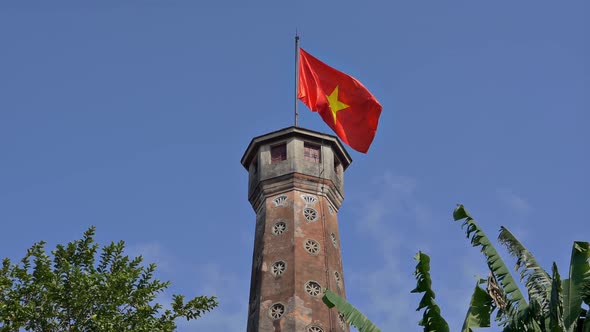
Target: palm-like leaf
(576, 289)
(516, 302)
(556, 323)
(480, 310)
(351, 314)
(537, 280)
(431, 318)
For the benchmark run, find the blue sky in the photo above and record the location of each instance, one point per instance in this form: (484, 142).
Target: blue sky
(132, 116)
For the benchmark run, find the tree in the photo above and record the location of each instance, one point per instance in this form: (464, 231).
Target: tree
(554, 305)
(72, 292)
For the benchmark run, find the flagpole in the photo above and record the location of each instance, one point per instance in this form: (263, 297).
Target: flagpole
(296, 76)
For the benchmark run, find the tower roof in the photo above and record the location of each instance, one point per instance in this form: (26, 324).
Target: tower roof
(316, 136)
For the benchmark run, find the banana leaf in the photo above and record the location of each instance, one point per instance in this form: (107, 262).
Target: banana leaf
(480, 310)
(556, 323)
(576, 289)
(537, 280)
(516, 302)
(431, 318)
(350, 313)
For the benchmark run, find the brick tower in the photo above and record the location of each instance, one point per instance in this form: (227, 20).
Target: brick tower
(296, 186)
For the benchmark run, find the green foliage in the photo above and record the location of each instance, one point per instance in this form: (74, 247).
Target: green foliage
(480, 309)
(431, 318)
(537, 280)
(556, 323)
(516, 301)
(577, 287)
(554, 305)
(350, 313)
(73, 292)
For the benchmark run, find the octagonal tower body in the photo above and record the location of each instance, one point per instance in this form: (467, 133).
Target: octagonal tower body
(296, 187)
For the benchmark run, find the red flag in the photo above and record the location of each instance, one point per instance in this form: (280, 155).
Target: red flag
(342, 101)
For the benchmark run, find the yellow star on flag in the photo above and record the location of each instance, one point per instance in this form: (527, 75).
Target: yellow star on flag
(335, 104)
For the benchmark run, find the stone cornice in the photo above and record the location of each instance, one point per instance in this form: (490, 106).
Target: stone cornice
(295, 181)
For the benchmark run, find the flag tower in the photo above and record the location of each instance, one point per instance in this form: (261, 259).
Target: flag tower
(296, 187)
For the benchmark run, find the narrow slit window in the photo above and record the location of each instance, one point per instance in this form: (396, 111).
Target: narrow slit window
(312, 153)
(278, 153)
(336, 165)
(255, 166)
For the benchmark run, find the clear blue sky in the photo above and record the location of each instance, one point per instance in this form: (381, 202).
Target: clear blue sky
(133, 115)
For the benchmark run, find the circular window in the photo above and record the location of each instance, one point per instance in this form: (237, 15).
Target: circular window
(279, 228)
(314, 328)
(337, 277)
(278, 268)
(313, 288)
(276, 311)
(310, 214)
(333, 237)
(312, 247)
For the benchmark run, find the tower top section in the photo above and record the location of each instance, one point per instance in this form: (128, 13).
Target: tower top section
(295, 158)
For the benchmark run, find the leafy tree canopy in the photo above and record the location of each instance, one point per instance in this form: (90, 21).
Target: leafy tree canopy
(71, 291)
